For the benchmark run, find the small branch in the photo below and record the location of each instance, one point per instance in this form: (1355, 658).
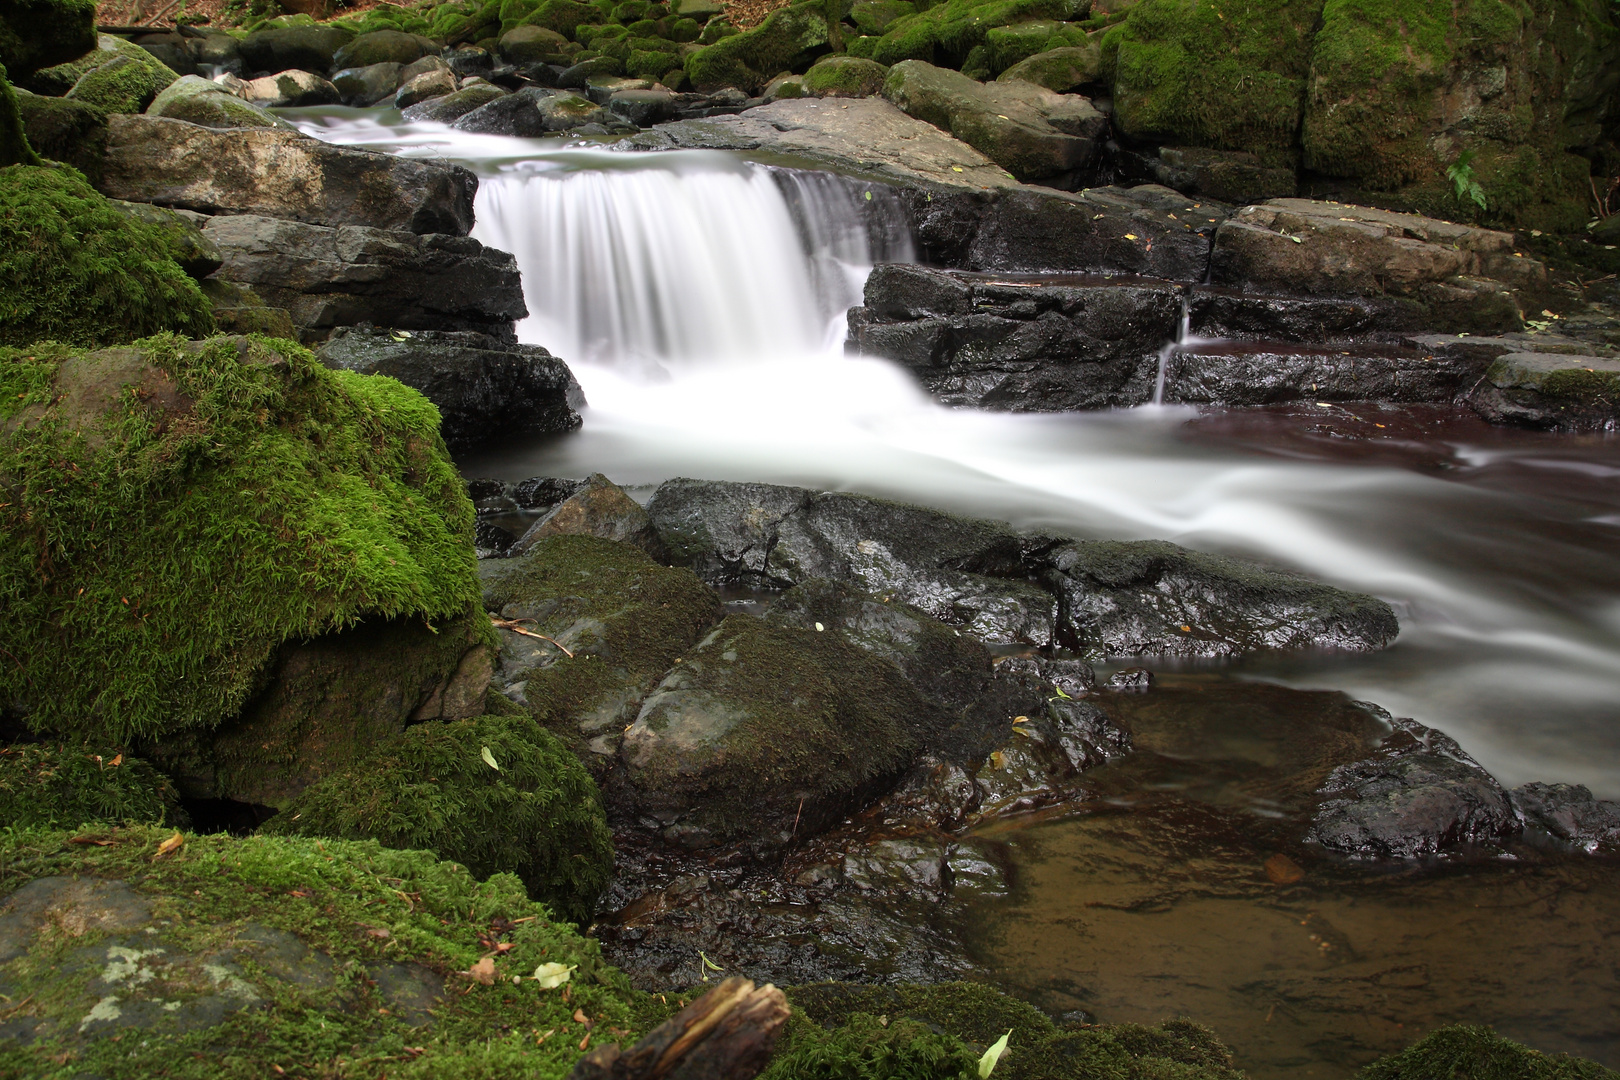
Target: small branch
(512, 625)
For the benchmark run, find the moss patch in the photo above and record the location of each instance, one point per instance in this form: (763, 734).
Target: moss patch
(534, 813)
(39, 33)
(121, 85)
(1478, 1053)
(68, 786)
(946, 33)
(176, 511)
(1213, 73)
(14, 148)
(330, 938)
(74, 268)
(67, 131)
(789, 39)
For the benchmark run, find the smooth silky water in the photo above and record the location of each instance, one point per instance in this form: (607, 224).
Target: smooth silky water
(699, 299)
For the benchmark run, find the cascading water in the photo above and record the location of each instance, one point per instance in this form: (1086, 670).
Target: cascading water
(728, 280)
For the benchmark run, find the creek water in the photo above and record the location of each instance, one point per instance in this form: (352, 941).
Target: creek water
(699, 299)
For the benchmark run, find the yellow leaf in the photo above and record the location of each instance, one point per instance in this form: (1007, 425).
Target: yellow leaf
(489, 759)
(169, 846)
(1130, 236)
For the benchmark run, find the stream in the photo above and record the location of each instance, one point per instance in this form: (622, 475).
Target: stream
(700, 299)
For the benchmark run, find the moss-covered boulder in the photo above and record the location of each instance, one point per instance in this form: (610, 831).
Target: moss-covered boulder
(1059, 70)
(624, 619)
(844, 76)
(14, 147)
(61, 78)
(124, 84)
(789, 39)
(38, 33)
(304, 47)
(198, 101)
(1479, 1053)
(497, 794)
(66, 786)
(1550, 391)
(75, 268)
(563, 16)
(184, 239)
(378, 47)
(225, 957)
(1189, 72)
(67, 131)
(1400, 90)
(178, 511)
(947, 33)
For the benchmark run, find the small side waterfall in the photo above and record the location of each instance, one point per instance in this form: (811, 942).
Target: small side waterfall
(704, 259)
(1183, 337)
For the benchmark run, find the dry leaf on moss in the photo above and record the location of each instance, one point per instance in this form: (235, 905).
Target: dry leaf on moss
(169, 846)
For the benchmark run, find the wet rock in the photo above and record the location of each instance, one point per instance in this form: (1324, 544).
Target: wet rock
(363, 87)
(914, 863)
(532, 112)
(1266, 373)
(378, 47)
(172, 163)
(1452, 277)
(425, 86)
(1020, 345)
(309, 48)
(198, 101)
(544, 492)
(328, 277)
(1569, 813)
(490, 541)
(1131, 680)
(1232, 176)
(1124, 598)
(934, 795)
(1228, 313)
(598, 508)
(292, 89)
(1419, 795)
(452, 107)
(486, 390)
(528, 43)
(1552, 391)
(643, 108)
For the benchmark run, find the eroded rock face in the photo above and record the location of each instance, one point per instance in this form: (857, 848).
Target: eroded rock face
(1267, 373)
(282, 174)
(486, 389)
(328, 277)
(1420, 795)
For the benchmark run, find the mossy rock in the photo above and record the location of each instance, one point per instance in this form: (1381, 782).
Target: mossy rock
(184, 240)
(316, 955)
(60, 78)
(845, 76)
(70, 132)
(1479, 1053)
(62, 786)
(1059, 70)
(789, 39)
(947, 33)
(198, 101)
(124, 84)
(378, 47)
(873, 17)
(936, 1029)
(528, 808)
(625, 618)
(563, 16)
(179, 510)
(1007, 45)
(75, 268)
(1190, 73)
(38, 33)
(14, 147)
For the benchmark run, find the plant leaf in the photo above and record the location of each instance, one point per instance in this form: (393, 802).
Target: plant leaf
(169, 846)
(551, 976)
(987, 1064)
(483, 971)
(489, 759)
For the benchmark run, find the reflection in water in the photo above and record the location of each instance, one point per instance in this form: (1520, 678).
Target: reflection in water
(1155, 901)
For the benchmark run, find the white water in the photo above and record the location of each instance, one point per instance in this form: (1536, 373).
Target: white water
(706, 330)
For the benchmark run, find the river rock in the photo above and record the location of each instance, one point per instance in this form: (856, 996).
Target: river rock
(532, 112)
(378, 47)
(429, 84)
(1058, 70)
(1452, 277)
(1016, 344)
(284, 173)
(363, 87)
(529, 44)
(307, 48)
(643, 108)
(1569, 813)
(1028, 130)
(1246, 374)
(1420, 795)
(1552, 391)
(124, 84)
(486, 389)
(198, 101)
(840, 76)
(292, 88)
(328, 277)
(452, 107)
(1233, 176)
(598, 508)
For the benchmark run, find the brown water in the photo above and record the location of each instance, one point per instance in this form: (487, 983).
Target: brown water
(1153, 899)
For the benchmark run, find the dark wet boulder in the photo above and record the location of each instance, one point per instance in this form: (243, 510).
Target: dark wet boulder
(1126, 598)
(533, 112)
(452, 107)
(1021, 345)
(486, 389)
(763, 733)
(1552, 391)
(1568, 812)
(1232, 176)
(1419, 795)
(643, 108)
(329, 277)
(1266, 373)
(426, 86)
(598, 507)
(39, 33)
(173, 163)
(366, 86)
(309, 48)
(377, 47)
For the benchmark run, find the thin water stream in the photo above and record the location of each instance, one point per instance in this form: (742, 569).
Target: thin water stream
(700, 298)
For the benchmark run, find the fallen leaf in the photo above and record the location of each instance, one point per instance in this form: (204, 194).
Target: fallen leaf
(1130, 236)
(987, 1063)
(489, 759)
(379, 932)
(586, 1041)
(117, 761)
(483, 971)
(96, 840)
(169, 846)
(580, 1017)
(1281, 870)
(551, 976)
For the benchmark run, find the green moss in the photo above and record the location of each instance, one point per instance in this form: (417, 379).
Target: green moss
(1211, 73)
(69, 786)
(123, 84)
(789, 39)
(869, 1048)
(74, 268)
(946, 33)
(538, 816)
(1007, 45)
(14, 148)
(1478, 1053)
(38, 33)
(175, 512)
(1576, 387)
(845, 76)
(362, 905)
(563, 16)
(645, 64)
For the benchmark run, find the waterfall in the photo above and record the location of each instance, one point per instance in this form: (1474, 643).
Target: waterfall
(702, 259)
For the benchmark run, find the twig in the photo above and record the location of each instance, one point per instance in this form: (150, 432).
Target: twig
(512, 625)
